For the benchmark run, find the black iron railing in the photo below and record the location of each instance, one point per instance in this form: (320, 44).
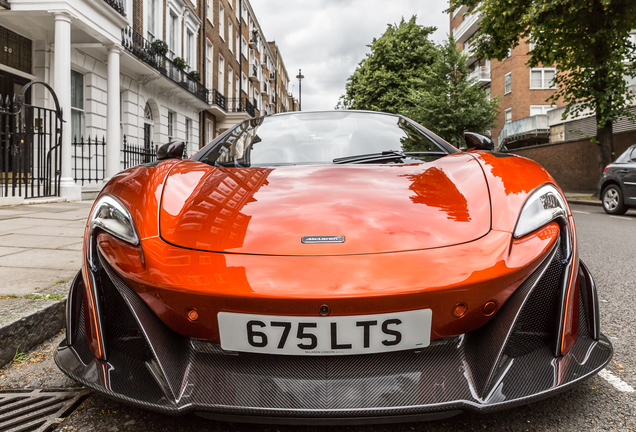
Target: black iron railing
(240, 105)
(137, 154)
(118, 5)
(219, 99)
(90, 160)
(141, 48)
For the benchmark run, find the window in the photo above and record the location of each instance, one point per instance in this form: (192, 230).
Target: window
(221, 82)
(243, 46)
(209, 132)
(210, 11)
(188, 130)
(230, 77)
(236, 9)
(221, 22)
(508, 83)
(77, 105)
(208, 65)
(238, 46)
(542, 78)
(189, 48)
(171, 126)
(244, 9)
(244, 81)
(230, 36)
(236, 88)
(540, 109)
(172, 35)
(152, 13)
(509, 115)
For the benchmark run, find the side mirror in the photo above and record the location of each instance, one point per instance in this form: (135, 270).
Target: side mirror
(173, 150)
(475, 141)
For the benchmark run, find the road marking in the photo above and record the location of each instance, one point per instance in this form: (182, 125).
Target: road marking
(618, 383)
(579, 211)
(621, 217)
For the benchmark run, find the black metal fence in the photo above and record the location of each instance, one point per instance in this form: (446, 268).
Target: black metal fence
(30, 147)
(219, 99)
(118, 5)
(240, 105)
(90, 160)
(141, 48)
(135, 154)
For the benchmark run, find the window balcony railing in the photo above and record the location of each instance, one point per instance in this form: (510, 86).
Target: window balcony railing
(525, 128)
(481, 73)
(118, 5)
(240, 105)
(141, 48)
(219, 99)
(467, 27)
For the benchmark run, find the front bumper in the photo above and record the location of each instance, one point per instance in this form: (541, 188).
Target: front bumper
(509, 361)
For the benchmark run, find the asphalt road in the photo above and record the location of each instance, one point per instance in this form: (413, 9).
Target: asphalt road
(603, 403)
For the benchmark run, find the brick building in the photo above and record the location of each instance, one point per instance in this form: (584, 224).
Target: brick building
(246, 74)
(523, 91)
(136, 74)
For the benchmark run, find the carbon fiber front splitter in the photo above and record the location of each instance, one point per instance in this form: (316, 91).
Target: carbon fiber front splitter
(508, 362)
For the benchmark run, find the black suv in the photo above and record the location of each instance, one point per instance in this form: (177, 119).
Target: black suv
(617, 187)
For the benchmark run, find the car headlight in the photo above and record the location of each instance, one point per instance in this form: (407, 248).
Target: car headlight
(543, 206)
(113, 217)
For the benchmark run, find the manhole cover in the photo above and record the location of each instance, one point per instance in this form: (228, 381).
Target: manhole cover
(38, 410)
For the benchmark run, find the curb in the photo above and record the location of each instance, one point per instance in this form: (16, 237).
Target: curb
(45, 320)
(585, 202)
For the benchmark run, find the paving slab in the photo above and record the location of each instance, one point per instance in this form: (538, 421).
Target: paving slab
(59, 231)
(9, 250)
(44, 259)
(22, 281)
(36, 241)
(75, 246)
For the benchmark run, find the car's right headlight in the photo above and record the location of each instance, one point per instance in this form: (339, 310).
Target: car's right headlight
(543, 206)
(113, 217)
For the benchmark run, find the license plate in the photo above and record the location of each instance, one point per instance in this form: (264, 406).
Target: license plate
(338, 335)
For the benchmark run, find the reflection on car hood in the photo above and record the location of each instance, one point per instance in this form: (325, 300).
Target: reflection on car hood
(376, 208)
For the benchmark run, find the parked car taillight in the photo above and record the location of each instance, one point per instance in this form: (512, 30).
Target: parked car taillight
(606, 168)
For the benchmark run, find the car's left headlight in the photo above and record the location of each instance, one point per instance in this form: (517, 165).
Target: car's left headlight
(113, 217)
(543, 206)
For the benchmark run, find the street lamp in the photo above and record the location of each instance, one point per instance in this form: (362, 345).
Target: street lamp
(300, 77)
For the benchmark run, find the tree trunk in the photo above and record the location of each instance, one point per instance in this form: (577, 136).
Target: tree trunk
(605, 143)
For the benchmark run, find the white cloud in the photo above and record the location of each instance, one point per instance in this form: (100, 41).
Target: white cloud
(328, 38)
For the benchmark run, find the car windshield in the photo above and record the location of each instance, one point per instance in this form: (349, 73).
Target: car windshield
(322, 138)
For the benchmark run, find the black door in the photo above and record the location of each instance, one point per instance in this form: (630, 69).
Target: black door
(147, 142)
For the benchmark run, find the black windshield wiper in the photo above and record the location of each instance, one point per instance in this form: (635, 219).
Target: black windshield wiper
(387, 155)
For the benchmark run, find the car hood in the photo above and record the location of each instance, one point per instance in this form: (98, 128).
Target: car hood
(375, 208)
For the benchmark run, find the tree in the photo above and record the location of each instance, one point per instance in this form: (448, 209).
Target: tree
(448, 102)
(586, 40)
(384, 79)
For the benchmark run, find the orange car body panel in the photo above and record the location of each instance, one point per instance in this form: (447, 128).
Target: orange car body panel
(439, 272)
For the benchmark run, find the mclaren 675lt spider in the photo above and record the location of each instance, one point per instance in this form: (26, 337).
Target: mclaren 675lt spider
(331, 268)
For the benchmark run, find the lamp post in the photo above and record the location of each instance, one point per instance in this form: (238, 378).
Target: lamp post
(300, 77)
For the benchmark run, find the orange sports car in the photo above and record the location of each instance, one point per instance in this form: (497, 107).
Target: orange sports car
(331, 268)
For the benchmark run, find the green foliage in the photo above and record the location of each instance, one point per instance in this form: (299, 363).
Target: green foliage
(179, 62)
(19, 357)
(160, 47)
(586, 40)
(448, 102)
(44, 296)
(384, 79)
(195, 75)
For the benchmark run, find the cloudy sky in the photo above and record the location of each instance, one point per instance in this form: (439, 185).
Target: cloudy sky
(328, 38)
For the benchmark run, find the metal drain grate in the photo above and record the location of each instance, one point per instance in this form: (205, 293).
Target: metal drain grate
(37, 411)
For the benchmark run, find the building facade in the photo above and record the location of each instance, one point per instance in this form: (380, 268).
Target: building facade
(523, 91)
(131, 75)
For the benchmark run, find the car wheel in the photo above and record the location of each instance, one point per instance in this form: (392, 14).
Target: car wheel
(613, 200)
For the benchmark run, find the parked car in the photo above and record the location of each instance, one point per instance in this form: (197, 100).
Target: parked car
(332, 268)
(617, 187)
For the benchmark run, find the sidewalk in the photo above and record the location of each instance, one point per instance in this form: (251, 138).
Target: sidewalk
(40, 253)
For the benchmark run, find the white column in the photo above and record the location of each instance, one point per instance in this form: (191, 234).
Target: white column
(62, 87)
(113, 136)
